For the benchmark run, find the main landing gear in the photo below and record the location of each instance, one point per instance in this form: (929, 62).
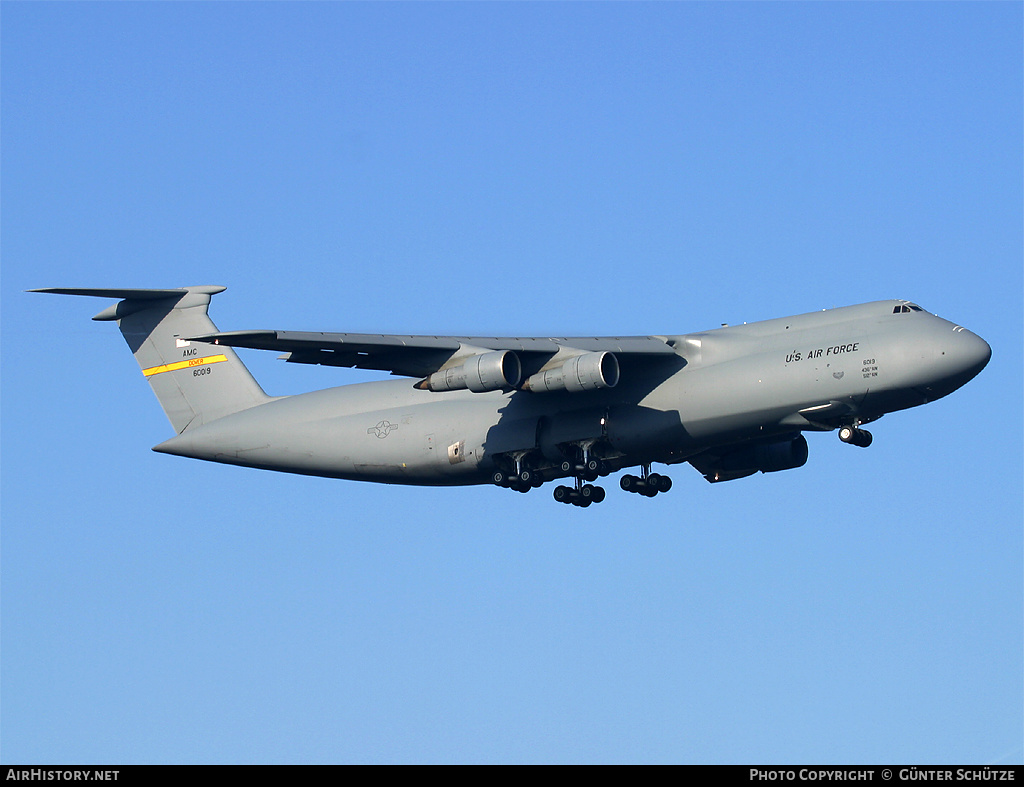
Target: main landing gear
(522, 482)
(648, 484)
(583, 495)
(523, 479)
(855, 436)
(588, 468)
(523, 471)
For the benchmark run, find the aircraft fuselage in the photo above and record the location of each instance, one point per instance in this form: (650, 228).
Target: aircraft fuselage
(757, 384)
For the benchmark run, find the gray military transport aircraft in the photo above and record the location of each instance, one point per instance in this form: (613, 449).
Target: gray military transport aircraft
(519, 412)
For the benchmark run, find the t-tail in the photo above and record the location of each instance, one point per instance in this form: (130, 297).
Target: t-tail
(194, 382)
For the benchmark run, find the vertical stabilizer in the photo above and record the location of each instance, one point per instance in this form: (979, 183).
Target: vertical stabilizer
(195, 383)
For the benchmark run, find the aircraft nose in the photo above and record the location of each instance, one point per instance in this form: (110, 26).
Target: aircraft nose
(956, 357)
(970, 352)
(963, 355)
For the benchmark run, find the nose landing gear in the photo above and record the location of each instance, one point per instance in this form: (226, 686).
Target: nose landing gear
(855, 436)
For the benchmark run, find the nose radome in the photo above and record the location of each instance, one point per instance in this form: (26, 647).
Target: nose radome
(970, 352)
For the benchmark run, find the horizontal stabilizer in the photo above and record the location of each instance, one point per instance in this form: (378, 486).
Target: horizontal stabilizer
(127, 294)
(133, 300)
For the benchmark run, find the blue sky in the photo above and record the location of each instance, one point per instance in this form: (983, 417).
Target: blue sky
(526, 169)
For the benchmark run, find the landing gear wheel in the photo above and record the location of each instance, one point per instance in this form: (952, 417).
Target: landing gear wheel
(563, 494)
(664, 483)
(500, 478)
(598, 494)
(628, 483)
(526, 476)
(858, 437)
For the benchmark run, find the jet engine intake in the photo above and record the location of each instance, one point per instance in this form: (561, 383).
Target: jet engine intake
(584, 372)
(491, 371)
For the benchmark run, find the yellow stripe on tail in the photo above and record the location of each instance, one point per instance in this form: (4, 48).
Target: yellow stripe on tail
(191, 362)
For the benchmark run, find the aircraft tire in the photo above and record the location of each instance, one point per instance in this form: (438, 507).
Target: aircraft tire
(664, 483)
(628, 483)
(599, 494)
(847, 434)
(562, 494)
(500, 478)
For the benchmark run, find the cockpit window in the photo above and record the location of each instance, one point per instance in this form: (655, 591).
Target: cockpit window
(906, 308)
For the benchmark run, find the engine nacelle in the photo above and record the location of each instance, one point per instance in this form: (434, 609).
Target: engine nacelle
(479, 373)
(580, 373)
(767, 457)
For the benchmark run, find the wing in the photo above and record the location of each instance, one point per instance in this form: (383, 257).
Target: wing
(479, 363)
